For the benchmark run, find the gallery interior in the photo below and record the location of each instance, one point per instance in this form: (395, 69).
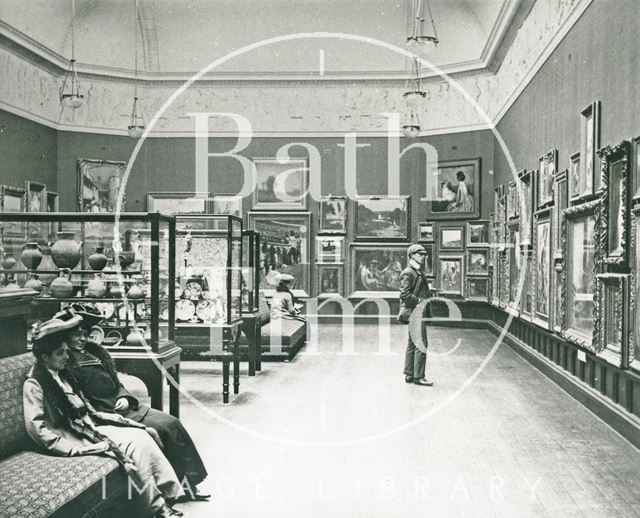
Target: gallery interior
(215, 213)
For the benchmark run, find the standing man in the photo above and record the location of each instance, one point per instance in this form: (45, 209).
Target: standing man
(414, 288)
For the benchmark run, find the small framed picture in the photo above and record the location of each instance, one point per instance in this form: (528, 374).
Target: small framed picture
(13, 200)
(426, 232)
(477, 288)
(451, 275)
(429, 265)
(52, 201)
(329, 280)
(478, 261)
(575, 187)
(227, 204)
(589, 145)
(548, 165)
(513, 202)
(280, 185)
(451, 237)
(478, 233)
(36, 197)
(332, 215)
(329, 249)
(380, 218)
(172, 203)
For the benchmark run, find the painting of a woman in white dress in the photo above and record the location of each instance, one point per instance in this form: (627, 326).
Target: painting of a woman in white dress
(455, 191)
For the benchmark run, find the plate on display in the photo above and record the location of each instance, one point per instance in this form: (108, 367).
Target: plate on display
(184, 310)
(107, 309)
(141, 311)
(195, 288)
(203, 310)
(125, 312)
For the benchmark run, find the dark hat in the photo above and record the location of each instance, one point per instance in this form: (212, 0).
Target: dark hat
(416, 249)
(62, 321)
(88, 312)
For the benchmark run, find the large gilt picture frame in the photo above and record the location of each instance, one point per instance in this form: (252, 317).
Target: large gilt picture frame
(589, 145)
(612, 291)
(542, 270)
(376, 268)
(561, 202)
(451, 275)
(380, 218)
(454, 190)
(613, 222)
(526, 209)
(633, 358)
(98, 185)
(578, 305)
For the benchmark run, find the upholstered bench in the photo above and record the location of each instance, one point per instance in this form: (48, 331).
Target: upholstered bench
(282, 338)
(35, 484)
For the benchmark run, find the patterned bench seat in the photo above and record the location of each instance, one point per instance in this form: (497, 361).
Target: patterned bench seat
(34, 484)
(282, 338)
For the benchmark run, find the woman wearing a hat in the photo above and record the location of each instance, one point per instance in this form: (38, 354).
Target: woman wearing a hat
(283, 303)
(95, 371)
(414, 289)
(59, 419)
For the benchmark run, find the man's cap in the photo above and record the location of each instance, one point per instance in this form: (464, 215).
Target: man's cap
(416, 249)
(285, 277)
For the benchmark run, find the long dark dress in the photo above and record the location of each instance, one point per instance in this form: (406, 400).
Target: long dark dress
(95, 371)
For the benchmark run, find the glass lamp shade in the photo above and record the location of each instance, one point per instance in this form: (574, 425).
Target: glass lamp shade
(413, 98)
(136, 127)
(73, 101)
(421, 45)
(135, 131)
(411, 130)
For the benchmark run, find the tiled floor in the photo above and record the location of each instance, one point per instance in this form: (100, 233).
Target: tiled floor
(336, 435)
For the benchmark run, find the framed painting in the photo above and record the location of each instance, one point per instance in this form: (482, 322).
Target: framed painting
(36, 197)
(284, 245)
(526, 210)
(633, 359)
(548, 165)
(332, 215)
(589, 145)
(329, 249)
(514, 268)
(227, 204)
(330, 280)
(577, 308)
(575, 189)
(561, 202)
(503, 272)
(542, 271)
(99, 184)
(280, 186)
(513, 203)
(478, 233)
(451, 275)
(454, 190)
(451, 237)
(636, 168)
(478, 261)
(526, 300)
(375, 269)
(382, 219)
(614, 192)
(52, 201)
(429, 265)
(426, 232)
(612, 309)
(13, 200)
(477, 288)
(172, 203)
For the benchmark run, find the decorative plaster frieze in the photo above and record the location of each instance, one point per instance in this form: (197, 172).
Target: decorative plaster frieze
(295, 108)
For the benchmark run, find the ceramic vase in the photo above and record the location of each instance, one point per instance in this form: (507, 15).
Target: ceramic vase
(47, 266)
(34, 283)
(98, 260)
(96, 287)
(31, 256)
(8, 261)
(138, 337)
(61, 286)
(66, 251)
(135, 292)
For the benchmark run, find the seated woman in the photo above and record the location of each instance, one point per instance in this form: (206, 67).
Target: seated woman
(93, 367)
(283, 303)
(58, 418)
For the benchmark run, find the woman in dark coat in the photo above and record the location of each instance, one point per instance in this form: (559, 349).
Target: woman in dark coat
(95, 371)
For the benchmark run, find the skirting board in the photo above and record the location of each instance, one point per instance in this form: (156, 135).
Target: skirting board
(619, 419)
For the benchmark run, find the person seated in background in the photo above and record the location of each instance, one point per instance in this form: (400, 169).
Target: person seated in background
(93, 367)
(283, 303)
(60, 420)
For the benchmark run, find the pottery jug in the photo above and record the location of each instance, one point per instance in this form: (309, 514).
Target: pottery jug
(33, 283)
(47, 265)
(96, 287)
(127, 255)
(135, 292)
(66, 251)
(31, 256)
(61, 286)
(138, 337)
(8, 261)
(98, 260)
(11, 285)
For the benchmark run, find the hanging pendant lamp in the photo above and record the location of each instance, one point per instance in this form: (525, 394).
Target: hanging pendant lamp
(136, 124)
(70, 96)
(418, 42)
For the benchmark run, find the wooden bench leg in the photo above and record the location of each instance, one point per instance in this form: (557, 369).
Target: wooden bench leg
(236, 374)
(174, 393)
(225, 381)
(258, 349)
(251, 341)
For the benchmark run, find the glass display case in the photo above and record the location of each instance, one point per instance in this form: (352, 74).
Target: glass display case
(251, 267)
(124, 265)
(209, 282)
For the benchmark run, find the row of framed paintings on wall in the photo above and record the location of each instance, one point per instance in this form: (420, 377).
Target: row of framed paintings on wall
(33, 197)
(575, 257)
